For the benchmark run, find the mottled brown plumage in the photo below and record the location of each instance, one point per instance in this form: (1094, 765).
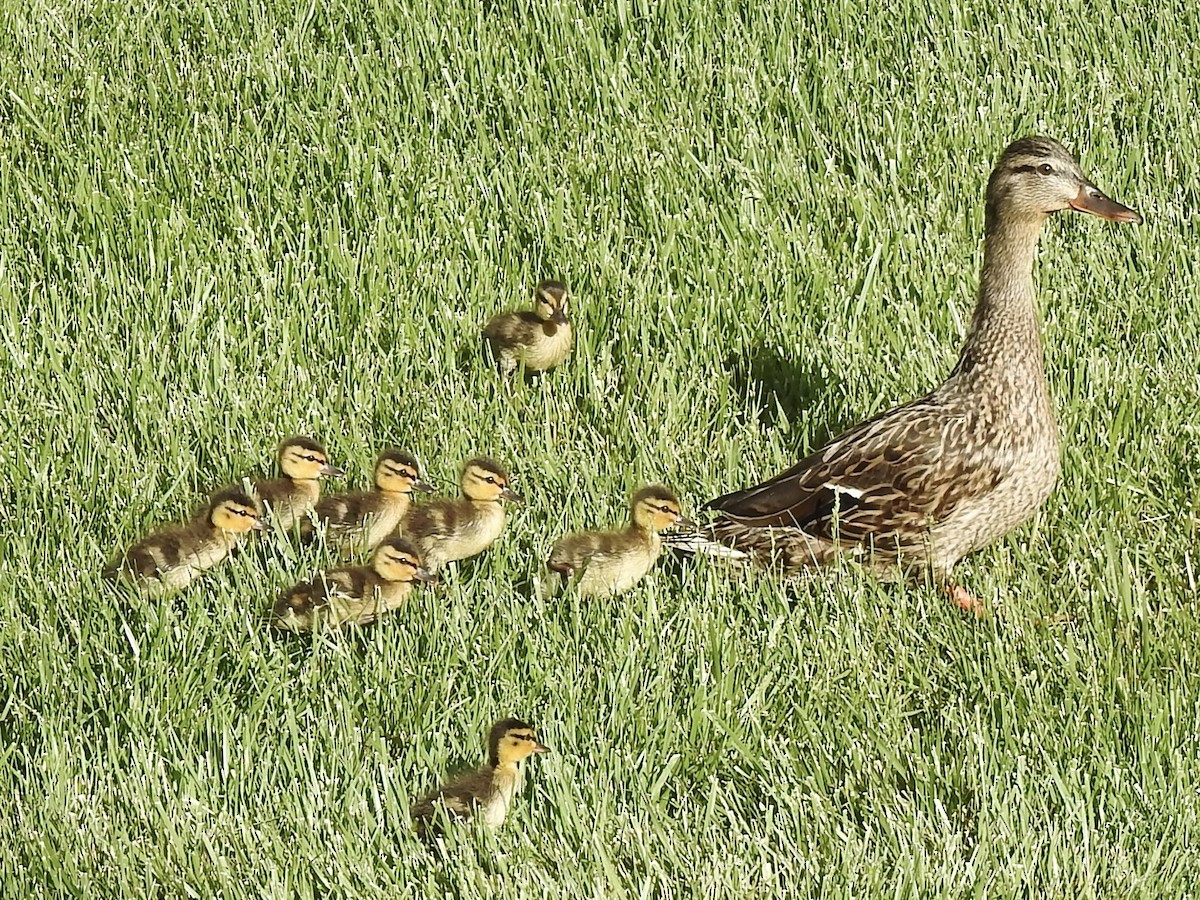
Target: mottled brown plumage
(360, 520)
(918, 487)
(488, 792)
(354, 595)
(604, 563)
(173, 557)
(448, 530)
(289, 500)
(538, 339)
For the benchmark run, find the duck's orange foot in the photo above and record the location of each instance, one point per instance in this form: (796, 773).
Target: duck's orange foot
(965, 600)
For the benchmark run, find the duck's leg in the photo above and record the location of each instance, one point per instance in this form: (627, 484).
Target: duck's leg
(965, 600)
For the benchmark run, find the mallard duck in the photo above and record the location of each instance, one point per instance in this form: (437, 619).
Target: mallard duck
(361, 519)
(610, 562)
(539, 339)
(354, 595)
(448, 530)
(918, 487)
(486, 793)
(289, 500)
(172, 558)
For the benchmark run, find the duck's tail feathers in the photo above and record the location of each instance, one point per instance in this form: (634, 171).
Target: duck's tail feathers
(698, 543)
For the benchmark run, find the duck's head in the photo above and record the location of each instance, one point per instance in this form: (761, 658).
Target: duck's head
(233, 510)
(550, 302)
(397, 472)
(655, 507)
(396, 559)
(303, 459)
(1036, 176)
(511, 741)
(485, 479)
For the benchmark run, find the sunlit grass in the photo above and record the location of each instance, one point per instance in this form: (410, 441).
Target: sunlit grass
(220, 227)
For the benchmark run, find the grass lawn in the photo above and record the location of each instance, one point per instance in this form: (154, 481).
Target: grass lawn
(219, 227)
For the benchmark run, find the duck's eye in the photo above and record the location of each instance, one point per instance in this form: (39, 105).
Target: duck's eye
(1046, 169)
(490, 480)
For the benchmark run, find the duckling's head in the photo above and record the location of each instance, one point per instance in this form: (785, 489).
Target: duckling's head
(550, 302)
(485, 479)
(233, 510)
(1036, 176)
(397, 472)
(655, 507)
(303, 459)
(511, 741)
(396, 559)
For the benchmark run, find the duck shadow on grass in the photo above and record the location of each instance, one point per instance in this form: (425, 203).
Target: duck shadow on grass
(784, 391)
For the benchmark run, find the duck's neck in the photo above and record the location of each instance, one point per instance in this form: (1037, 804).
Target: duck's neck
(1005, 339)
(646, 537)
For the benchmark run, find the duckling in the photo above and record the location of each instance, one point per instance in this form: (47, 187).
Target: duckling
(362, 519)
(488, 792)
(448, 530)
(172, 558)
(289, 499)
(355, 595)
(538, 339)
(614, 561)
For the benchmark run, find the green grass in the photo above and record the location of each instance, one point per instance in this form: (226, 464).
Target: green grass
(219, 227)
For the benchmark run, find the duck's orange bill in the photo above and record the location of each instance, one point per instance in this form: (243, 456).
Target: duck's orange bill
(1092, 200)
(539, 747)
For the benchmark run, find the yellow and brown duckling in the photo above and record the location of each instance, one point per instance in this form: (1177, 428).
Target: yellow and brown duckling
(449, 530)
(610, 562)
(360, 520)
(355, 595)
(290, 499)
(487, 793)
(539, 339)
(172, 558)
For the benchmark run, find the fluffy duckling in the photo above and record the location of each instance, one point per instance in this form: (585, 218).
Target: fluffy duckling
(355, 595)
(362, 519)
(539, 339)
(486, 793)
(448, 530)
(610, 562)
(173, 557)
(290, 499)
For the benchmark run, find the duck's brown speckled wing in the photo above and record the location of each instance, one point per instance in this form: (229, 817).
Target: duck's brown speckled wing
(882, 484)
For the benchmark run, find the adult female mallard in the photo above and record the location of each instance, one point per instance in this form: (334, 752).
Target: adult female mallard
(918, 487)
